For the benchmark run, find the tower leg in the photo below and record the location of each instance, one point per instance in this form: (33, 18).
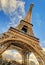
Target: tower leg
(25, 59)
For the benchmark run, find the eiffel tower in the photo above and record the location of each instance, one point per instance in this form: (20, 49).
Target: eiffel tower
(23, 39)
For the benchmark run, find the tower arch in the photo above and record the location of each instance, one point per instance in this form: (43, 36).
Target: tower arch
(26, 49)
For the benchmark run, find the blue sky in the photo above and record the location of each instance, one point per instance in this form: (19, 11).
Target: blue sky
(38, 16)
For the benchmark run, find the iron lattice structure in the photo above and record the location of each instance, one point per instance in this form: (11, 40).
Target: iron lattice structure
(22, 37)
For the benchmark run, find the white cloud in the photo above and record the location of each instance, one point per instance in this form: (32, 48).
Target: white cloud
(15, 9)
(44, 49)
(33, 58)
(15, 55)
(12, 54)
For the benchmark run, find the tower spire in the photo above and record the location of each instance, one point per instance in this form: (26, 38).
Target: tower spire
(29, 14)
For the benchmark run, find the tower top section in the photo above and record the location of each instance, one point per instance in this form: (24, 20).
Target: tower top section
(29, 14)
(25, 25)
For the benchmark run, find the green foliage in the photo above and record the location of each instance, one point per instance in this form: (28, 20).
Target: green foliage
(8, 63)
(3, 64)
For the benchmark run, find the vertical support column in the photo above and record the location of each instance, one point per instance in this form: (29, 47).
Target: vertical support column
(28, 58)
(25, 58)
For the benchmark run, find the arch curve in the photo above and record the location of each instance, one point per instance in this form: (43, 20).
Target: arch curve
(23, 46)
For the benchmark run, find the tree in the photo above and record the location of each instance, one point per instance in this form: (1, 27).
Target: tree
(8, 63)
(3, 64)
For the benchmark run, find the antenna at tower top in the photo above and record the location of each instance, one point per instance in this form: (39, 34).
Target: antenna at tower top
(29, 14)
